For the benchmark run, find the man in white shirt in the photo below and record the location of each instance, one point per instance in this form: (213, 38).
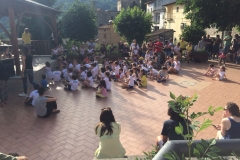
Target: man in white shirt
(30, 100)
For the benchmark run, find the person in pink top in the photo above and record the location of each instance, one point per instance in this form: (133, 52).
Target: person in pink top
(102, 91)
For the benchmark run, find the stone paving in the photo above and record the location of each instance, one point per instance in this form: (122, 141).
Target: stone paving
(141, 112)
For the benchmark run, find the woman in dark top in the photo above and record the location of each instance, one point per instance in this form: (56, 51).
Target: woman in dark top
(3, 85)
(7, 54)
(230, 125)
(168, 131)
(27, 70)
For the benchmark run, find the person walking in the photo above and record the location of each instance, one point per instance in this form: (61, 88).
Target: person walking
(27, 70)
(3, 85)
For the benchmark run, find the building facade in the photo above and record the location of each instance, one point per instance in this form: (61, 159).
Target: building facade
(106, 34)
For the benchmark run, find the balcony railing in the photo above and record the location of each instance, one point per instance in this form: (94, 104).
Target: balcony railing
(168, 16)
(156, 22)
(41, 47)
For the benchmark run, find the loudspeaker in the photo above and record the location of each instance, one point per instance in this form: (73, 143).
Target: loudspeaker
(8, 65)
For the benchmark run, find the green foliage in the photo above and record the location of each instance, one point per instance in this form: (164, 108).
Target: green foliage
(204, 13)
(149, 155)
(181, 105)
(79, 22)
(193, 34)
(133, 23)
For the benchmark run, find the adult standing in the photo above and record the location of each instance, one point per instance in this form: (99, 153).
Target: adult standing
(27, 70)
(108, 131)
(235, 46)
(208, 42)
(158, 46)
(150, 47)
(227, 42)
(120, 47)
(91, 44)
(134, 48)
(3, 85)
(45, 105)
(183, 45)
(202, 44)
(143, 50)
(26, 37)
(216, 46)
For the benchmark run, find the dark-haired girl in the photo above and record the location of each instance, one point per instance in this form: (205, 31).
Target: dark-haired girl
(102, 91)
(230, 125)
(108, 131)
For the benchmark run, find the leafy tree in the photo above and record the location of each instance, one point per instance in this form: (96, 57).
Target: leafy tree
(193, 34)
(79, 22)
(133, 24)
(203, 13)
(37, 28)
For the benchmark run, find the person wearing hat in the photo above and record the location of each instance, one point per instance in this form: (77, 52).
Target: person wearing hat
(26, 37)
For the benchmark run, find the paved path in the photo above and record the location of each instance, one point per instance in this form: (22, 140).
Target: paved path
(141, 112)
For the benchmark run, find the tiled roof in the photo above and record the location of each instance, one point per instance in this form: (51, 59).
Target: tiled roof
(160, 31)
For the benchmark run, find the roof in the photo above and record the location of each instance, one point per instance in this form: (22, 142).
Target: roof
(160, 31)
(26, 6)
(149, 2)
(104, 27)
(31, 2)
(169, 3)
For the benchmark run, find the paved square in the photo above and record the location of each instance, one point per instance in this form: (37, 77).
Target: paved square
(141, 112)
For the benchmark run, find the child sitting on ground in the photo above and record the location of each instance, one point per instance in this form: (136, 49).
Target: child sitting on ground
(116, 69)
(89, 80)
(108, 81)
(143, 81)
(94, 70)
(56, 74)
(83, 74)
(162, 75)
(30, 100)
(176, 67)
(153, 73)
(73, 84)
(121, 75)
(221, 74)
(129, 82)
(102, 91)
(211, 71)
(44, 82)
(48, 72)
(65, 73)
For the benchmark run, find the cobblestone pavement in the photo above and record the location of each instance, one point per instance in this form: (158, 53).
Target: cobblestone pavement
(141, 112)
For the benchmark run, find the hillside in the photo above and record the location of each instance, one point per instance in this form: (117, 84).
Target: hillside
(103, 4)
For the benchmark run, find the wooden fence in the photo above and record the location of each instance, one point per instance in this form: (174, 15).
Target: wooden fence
(41, 47)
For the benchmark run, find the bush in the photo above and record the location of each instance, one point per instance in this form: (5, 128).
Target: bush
(193, 34)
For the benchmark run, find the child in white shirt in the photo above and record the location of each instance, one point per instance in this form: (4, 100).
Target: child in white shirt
(176, 67)
(221, 74)
(73, 84)
(76, 65)
(89, 80)
(129, 83)
(211, 71)
(83, 74)
(48, 71)
(30, 100)
(153, 73)
(94, 70)
(56, 74)
(116, 69)
(65, 73)
(108, 81)
(147, 56)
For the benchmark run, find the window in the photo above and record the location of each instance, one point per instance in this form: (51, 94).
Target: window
(177, 9)
(104, 36)
(111, 17)
(155, 3)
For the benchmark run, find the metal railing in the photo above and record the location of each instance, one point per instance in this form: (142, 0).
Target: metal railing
(180, 147)
(41, 47)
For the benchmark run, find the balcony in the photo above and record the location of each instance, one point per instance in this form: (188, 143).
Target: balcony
(168, 16)
(156, 22)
